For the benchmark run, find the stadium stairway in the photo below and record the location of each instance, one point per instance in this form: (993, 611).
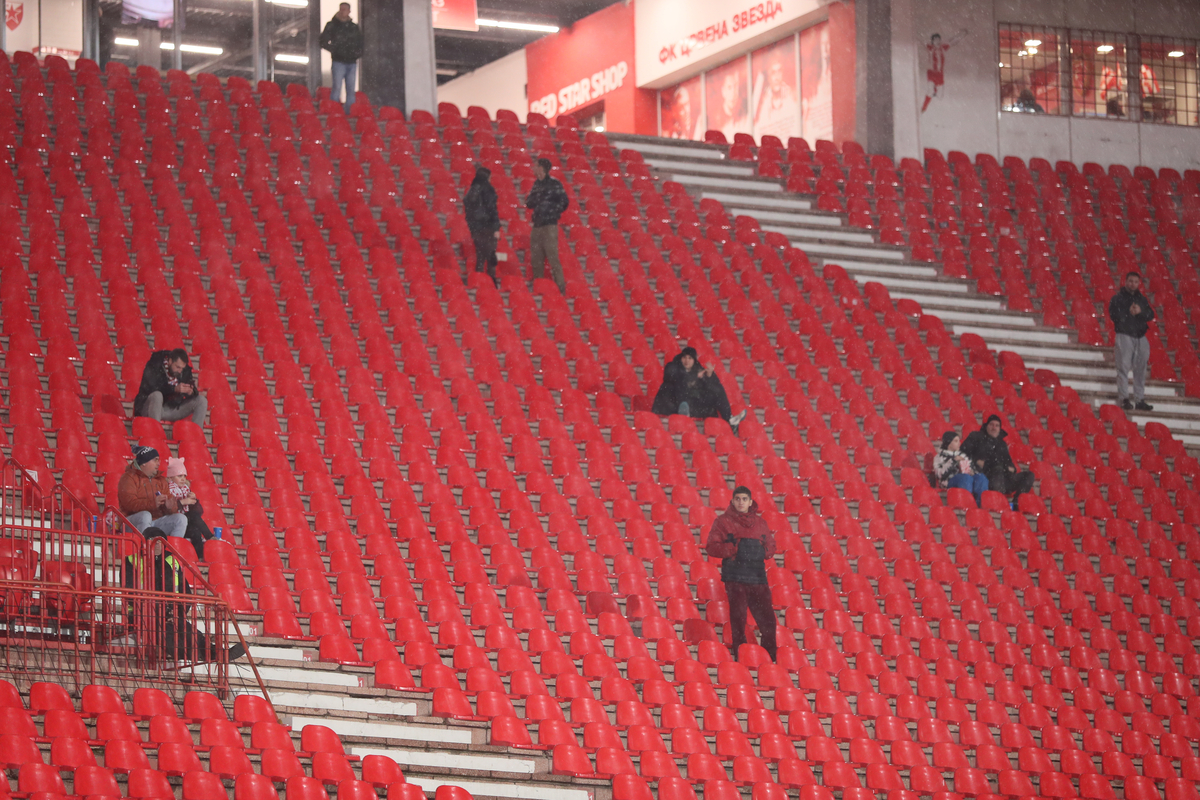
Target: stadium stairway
(828, 238)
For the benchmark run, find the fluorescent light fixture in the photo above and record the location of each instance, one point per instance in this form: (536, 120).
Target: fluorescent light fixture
(516, 26)
(1022, 53)
(1105, 48)
(290, 3)
(187, 48)
(291, 58)
(446, 71)
(1033, 51)
(599, 129)
(1033, 42)
(1002, 63)
(1175, 54)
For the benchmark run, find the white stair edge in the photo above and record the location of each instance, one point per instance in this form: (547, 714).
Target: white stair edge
(517, 791)
(341, 702)
(794, 217)
(829, 234)
(448, 760)
(1048, 336)
(939, 303)
(671, 149)
(726, 183)
(1110, 388)
(909, 283)
(731, 168)
(831, 252)
(296, 675)
(950, 315)
(900, 270)
(765, 201)
(1028, 351)
(386, 730)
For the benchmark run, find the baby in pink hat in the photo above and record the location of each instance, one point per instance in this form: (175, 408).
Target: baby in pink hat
(178, 483)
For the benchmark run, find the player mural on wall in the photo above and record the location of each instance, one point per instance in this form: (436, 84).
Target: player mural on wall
(935, 75)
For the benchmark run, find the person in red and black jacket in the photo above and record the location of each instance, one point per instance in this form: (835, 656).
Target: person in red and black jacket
(743, 542)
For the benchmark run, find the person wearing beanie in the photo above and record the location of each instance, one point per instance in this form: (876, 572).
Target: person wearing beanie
(483, 220)
(144, 495)
(953, 469)
(743, 542)
(989, 456)
(547, 201)
(691, 389)
(180, 487)
(168, 390)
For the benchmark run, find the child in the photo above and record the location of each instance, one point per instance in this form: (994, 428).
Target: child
(952, 468)
(181, 488)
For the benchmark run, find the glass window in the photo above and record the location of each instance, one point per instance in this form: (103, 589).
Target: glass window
(1099, 75)
(1169, 83)
(1031, 66)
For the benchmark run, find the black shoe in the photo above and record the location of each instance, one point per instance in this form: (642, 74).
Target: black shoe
(1142, 405)
(1127, 404)
(237, 651)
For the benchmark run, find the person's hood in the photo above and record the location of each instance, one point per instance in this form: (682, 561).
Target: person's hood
(482, 175)
(988, 421)
(746, 519)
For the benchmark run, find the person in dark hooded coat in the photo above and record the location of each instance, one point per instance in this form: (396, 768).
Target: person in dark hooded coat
(483, 220)
(989, 454)
(743, 542)
(693, 390)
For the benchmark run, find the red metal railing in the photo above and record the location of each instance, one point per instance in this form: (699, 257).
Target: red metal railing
(89, 599)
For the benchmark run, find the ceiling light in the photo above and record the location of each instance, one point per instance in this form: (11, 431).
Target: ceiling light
(194, 48)
(1033, 42)
(1022, 53)
(291, 58)
(446, 71)
(599, 129)
(516, 26)
(1175, 54)
(1033, 51)
(1104, 48)
(187, 48)
(1002, 63)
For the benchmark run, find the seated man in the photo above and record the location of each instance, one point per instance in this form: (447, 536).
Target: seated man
(989, 455)
(168, 391)
(144, 496)
(693, 390)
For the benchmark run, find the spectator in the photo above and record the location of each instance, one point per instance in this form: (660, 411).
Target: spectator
(180, 638)
(144, 496)
(953, 469)
(693, 390)
(1131, 314)
(989, 456)
(344, 40)
(549, 200)
(168, 391)
(483, 220)
(181, 489)
(743, 542)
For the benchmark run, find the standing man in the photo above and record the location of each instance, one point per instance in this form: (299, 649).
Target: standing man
(743, 542)
(344, 40)
(168, 391)
(144, 496)
(483, 220)
(1131, 313)
(549, 200)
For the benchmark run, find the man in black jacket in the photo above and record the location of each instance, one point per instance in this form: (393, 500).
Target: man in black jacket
(168, 391)
(344, 40)
(989, 454)
(1131, 313)
(483, 220)
(548, 200)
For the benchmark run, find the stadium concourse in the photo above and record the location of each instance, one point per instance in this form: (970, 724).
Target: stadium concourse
(467, 558)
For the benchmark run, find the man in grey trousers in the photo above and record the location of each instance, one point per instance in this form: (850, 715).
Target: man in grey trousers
(1131, 314)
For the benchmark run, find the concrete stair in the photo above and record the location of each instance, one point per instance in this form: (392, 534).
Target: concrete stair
(827, 239)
